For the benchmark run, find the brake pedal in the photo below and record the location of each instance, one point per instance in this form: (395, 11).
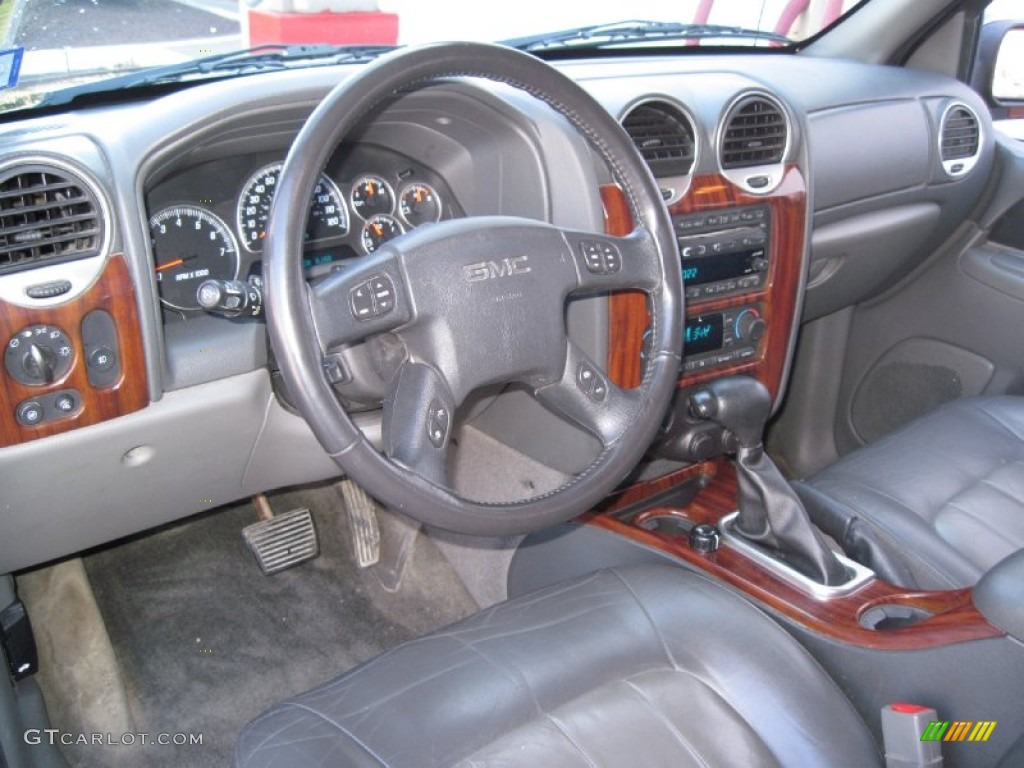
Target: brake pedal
(281, 541)
(362, 519)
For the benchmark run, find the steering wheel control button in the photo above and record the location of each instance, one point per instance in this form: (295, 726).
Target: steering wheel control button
(38, 355)
(372, 298)
(600, 257)
(704, 538)
(102, 356)
(30, 413)
(437, 423)
(591, 383)
(361, 300)
(383, 295)
(48, 290)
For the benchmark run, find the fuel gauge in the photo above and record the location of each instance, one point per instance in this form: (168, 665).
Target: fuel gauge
(419, 204)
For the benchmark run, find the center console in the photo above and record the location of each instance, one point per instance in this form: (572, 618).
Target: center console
(741, 257)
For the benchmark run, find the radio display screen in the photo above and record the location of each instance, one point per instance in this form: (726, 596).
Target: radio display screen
(711, 269)
(703, 334)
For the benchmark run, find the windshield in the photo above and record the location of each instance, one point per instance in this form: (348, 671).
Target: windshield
(50, 45)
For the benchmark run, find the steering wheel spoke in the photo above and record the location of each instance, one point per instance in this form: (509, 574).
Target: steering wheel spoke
(360, 301)
(418, 415)
(606, 263)
(588, 398)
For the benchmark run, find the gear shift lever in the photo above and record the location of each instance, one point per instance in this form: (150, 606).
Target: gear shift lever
(770, 513)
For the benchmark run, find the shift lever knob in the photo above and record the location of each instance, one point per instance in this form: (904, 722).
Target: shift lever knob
(740, 404)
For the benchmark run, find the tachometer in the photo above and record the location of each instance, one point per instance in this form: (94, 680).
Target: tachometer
(328, 216)
(419, 204)
(378, 230)
(190, 245)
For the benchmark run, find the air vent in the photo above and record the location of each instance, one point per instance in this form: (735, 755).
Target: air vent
(664, 136)
(47, 215)
(960, 139)
(756, 131)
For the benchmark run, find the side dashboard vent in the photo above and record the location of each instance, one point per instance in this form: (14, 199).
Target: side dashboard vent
(664, 136)
(756, 131)
(47, 215)
(959, 139)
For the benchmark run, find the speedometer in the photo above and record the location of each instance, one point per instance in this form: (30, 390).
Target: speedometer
(190, 245)
(328, 216)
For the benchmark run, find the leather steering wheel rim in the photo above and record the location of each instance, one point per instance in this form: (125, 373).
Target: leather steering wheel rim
(300, 319)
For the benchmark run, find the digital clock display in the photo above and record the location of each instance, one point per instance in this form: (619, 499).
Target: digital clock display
(703, 334)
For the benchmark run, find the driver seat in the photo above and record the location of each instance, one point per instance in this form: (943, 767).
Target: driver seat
(648, 665)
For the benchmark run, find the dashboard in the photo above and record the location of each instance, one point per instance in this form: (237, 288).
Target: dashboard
(124, 405)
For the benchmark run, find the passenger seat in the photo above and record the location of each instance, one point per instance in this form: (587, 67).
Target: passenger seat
(935, 504)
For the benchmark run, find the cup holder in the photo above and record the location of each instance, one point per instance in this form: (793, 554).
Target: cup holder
(892, 616)
(674, 525)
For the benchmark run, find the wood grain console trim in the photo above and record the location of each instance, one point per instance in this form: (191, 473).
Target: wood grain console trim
(627, 311)
(954, 618)
(112, 292)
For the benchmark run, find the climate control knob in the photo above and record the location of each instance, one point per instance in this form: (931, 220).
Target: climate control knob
(750, 325)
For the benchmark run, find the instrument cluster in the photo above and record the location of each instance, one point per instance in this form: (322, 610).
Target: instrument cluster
(211, 221)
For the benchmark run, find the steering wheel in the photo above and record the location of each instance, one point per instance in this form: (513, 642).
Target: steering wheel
(473, 302)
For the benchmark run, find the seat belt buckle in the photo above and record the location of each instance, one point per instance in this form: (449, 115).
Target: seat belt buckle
(17, 642)
(903, 731)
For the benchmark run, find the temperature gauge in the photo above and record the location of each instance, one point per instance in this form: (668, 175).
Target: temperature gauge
(419, 204)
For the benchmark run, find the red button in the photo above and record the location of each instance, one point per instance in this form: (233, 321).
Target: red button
(907, 709)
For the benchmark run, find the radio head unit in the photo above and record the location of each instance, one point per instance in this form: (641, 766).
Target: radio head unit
(724, 253)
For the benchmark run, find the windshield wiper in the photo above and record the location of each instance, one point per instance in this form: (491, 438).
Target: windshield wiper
(623, 32)
(259, 59)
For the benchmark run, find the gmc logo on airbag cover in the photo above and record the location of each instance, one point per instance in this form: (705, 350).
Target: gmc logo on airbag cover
(488, 270)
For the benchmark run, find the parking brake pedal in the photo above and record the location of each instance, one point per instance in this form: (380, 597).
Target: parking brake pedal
(281, 541)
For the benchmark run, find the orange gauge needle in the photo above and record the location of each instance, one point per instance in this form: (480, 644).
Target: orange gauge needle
(169, 264)
(378, 229)
(419, 195)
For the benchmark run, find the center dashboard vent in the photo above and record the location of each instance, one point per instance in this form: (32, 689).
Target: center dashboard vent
(47, 215)
(959, 139)
(664, 136)
(755, 133)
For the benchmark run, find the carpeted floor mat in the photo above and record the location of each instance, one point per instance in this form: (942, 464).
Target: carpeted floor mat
(206, 642)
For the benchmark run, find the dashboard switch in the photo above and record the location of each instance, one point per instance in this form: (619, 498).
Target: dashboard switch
(102, 359)
(29, 413)
(38, 355)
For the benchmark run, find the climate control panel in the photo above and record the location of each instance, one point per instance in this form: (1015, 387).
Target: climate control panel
(723, 338)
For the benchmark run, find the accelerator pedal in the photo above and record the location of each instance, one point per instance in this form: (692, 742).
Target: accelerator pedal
(362, 520)
(281, 541)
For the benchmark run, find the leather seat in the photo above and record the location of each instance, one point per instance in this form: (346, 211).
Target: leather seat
(651, 666)
(935, 504)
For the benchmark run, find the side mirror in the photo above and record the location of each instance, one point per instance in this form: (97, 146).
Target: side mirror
(999, 68)
(1008, 77)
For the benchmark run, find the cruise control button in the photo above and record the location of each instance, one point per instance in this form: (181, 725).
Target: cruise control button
(437, 423)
